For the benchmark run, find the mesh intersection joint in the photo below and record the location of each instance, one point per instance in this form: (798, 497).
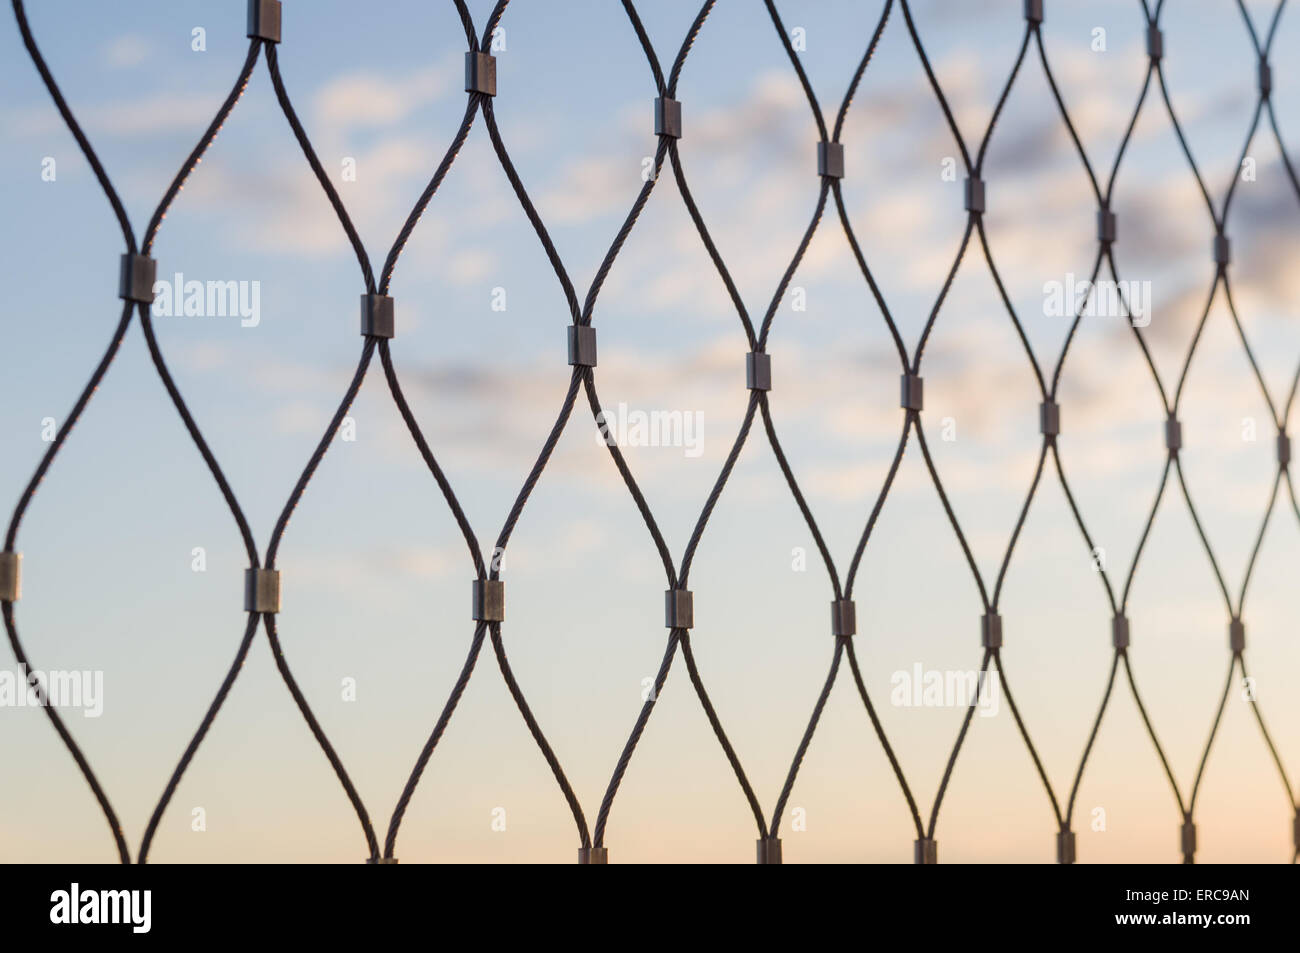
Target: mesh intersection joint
(481, 73)
(261, 590)
(911, 392)
(991, 631)
(136, 277)
(1106, 226)
(582, 345)
(489, 600)
(1173, 435)
(264, 20)
(1049, 418)
(668, 117)
(925, 850)
(769, 850)
(11, 576)
(679, 608)
(1119, 634)
(758, 370)
(844, 617)
(830, 159)
(1155, 43)
(1065, 847)
(377, 318)
(1222, 250)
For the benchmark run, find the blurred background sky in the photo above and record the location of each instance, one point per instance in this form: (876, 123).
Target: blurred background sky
(376, 576)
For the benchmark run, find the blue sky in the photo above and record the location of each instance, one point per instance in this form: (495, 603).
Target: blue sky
(375, 573)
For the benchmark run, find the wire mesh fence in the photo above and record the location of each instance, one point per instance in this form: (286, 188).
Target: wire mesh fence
(379, 323)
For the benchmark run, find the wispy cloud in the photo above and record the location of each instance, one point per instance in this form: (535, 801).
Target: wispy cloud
(126, 51)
